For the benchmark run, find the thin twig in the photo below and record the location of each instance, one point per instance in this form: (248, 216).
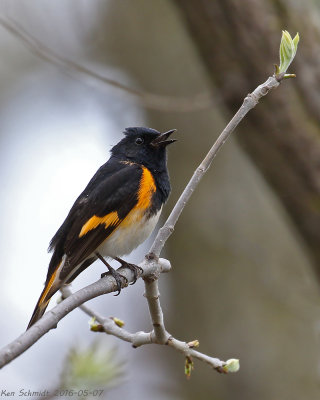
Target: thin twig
(52, 317)
(142, 338)
(109, 326)
(152, 267)
(72, 301)
(199, 101)
(249, 102)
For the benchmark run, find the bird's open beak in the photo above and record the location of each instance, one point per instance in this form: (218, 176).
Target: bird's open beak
(162, 140)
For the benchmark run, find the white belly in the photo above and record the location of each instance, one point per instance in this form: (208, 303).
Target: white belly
(133, 231)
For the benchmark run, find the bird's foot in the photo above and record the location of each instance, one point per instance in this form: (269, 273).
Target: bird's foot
(120, 279)
(137, 271)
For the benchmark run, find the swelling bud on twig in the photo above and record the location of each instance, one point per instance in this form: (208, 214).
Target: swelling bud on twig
(194, 343)
(94, 326)
(232, 365)
(118, 321)
(188, 367)
(287, 52)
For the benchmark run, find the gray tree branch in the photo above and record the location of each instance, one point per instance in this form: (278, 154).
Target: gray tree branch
(138, 339)
(249, 102)
(52, 317)
(152, 267)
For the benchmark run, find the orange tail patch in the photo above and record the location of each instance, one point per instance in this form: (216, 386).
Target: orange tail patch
(44, 298)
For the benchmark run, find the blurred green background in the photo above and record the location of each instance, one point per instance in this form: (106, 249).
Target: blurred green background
(245, 252)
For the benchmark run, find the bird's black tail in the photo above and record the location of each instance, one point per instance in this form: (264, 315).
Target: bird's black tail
(50, 288)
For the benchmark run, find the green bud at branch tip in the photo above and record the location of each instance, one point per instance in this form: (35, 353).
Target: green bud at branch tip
(232, 365)
(287, 52)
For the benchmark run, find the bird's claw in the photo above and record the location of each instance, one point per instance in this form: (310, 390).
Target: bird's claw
(137, 271)
(120, 279)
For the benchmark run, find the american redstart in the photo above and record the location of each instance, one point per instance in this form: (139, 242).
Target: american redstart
(115, 213)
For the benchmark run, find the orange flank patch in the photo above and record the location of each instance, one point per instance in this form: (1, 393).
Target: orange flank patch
(146, 189)
(145, 192)
(49, 285)
(108, 220)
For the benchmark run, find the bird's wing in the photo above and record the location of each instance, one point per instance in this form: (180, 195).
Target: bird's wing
(111, 194)
(95, 215)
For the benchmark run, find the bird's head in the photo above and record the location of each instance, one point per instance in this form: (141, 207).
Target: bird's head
(144, 146)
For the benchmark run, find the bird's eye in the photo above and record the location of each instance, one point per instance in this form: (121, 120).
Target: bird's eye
(139, 140)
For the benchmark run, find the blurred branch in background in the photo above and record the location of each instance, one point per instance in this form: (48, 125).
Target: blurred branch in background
(199, 101)
(93, 367)
(152, 265)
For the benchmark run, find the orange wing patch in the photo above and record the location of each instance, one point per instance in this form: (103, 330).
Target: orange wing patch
(108, 220)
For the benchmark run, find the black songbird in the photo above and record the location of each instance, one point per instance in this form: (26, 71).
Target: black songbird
(114, 214)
